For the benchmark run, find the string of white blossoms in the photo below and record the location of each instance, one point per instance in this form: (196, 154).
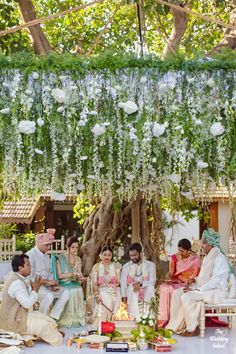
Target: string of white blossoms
(129, 131)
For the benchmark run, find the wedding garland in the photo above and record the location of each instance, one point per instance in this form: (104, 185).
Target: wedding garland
(117, 132)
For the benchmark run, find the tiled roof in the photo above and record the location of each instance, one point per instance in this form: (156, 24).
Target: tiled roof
(216, 193)
(19, 212)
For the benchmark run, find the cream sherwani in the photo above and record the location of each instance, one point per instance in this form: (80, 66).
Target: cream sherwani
(37, 323)
(148, 286)
(41, 265)
(211, 286)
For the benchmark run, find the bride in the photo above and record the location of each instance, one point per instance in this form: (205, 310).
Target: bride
(105, 283)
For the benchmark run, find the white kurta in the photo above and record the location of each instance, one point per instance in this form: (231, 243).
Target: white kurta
(148, 286)
(41, 265)
(210, 286)
(37, 323)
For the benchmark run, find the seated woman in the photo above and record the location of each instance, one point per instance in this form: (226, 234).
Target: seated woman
(105, 282)
(66, 270)
(183, 266)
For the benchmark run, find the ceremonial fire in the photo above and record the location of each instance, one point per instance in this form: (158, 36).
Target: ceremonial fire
(122, 314)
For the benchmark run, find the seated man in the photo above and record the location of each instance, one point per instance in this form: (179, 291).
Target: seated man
(40, 265)
(209, 286)
(16, 313)
(138, 279)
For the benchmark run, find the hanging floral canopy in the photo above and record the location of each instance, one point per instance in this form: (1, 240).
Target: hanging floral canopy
(117, 132)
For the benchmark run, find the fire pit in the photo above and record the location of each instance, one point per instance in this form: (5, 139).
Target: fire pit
(123, 322)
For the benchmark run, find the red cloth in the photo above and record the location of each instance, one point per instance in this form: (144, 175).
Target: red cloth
(108, 327)
(214, 321)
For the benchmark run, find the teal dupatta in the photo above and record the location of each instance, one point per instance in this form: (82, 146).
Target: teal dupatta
(65, 268)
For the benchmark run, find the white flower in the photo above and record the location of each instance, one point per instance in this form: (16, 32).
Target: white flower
(35, 76)
(197, 122)
(5, 84)
(151, 323)
(188, 195)
(174, 177)
(145, 316)
(121, 251)
(211, 82)
(106, 124)
(91, 177)
(121, 104)
(62, 77)
(130, 177)
(60, 109)
(129, 235)
(27, 126)
(93, 113)
(143, 79)
(47, 89)
(129, 107)
(190, 79)
(98, 129)
(217, 129)
(40, 122)
(60, 96)
(118, 88)
(58, 196)
(158, 129)
(83, 158)
(40, 152)
(81, 187)
(201, 164)
(28, 92)
(81, 123)
(5, 110)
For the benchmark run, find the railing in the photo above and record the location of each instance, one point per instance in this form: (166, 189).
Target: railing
(8, 249)
(232, 252)
(58, 246)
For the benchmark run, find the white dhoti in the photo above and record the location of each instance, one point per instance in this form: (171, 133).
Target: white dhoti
(143, 273)
(185, 308)
(43, 327)
(46, 297)
(134, 302)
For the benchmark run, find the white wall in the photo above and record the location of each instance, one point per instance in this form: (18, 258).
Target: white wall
(224, 217)
(189, 230)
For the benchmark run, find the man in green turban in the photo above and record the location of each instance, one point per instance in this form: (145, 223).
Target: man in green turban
(211, 237)
(209, 286)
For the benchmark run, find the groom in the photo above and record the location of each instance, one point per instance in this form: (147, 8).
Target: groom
(138, 278)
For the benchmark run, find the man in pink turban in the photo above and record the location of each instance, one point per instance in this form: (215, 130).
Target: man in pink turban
(45, 238)
(41, 265)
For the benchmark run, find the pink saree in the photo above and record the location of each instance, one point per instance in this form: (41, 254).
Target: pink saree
(184, 270)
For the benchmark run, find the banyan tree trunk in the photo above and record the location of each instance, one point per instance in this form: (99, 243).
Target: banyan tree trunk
(40, 42)
(105, 226)
(180, 22)
(157, 230)
(229, 38)
(135, 220)
(102, 227)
